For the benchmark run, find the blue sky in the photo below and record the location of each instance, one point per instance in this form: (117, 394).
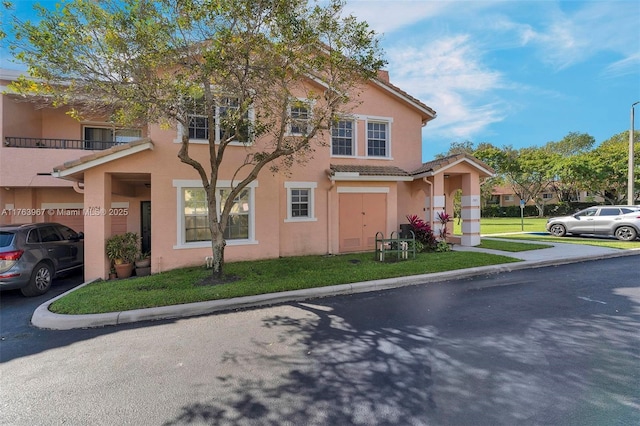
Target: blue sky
(518, 73)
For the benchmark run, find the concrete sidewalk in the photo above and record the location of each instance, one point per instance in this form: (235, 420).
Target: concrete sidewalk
(559, 254)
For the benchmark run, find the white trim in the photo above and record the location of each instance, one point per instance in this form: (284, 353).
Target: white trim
(354, 139)
(355, 177)
(363, 190)
(383, 120)
(470, 201)
(250, 113)
(403, 97)
(71, 206)
(470, 214)
(311, 186)
(181, 184)
(310, 103)
(103, 160)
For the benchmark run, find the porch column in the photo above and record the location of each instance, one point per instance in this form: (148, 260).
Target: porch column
(435, 205)
(470, 211)
(97, 223)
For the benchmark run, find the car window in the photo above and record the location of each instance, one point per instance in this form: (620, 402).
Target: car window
(588, 212)
(48, 234)
(628, 210)
(609, 211)
(33, 237)
(67, 233)
(5, 239)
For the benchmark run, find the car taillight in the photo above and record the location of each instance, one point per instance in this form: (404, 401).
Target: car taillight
(11, 255)
(8, 259)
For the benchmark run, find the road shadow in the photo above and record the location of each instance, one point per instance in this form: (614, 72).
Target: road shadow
(437, 355)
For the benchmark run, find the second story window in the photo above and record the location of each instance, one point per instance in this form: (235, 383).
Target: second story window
(377, 139)
(342, 138)
(300, 116)
(96, 137)
(228, 125)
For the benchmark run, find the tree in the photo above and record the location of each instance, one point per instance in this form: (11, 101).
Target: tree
(565, 155)
(527, 172)
(164, 61)
(604, 169)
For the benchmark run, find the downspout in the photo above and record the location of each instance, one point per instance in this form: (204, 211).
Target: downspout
(79, 189)
(430, 201)
(329, 204)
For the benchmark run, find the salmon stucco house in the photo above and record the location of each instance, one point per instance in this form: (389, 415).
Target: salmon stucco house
(365, 178)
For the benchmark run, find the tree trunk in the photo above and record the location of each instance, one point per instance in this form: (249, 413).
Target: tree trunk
(217, 247)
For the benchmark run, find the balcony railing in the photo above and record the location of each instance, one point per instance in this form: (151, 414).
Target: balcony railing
(15, 142)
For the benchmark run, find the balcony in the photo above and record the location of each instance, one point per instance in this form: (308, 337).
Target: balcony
(15, 142)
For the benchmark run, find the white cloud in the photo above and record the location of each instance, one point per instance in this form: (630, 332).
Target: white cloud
(449, 76)
(387, 16)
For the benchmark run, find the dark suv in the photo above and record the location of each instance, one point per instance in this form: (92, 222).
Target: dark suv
(32, 255)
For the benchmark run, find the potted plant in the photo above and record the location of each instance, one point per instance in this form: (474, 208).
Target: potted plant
(123, 250)
(143, 265)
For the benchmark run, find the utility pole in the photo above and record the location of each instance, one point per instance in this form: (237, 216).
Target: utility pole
(631, 176)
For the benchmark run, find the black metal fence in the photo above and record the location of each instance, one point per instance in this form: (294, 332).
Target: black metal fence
(16, 142)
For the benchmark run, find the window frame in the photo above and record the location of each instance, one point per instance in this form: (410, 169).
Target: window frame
(354, 137)
(309, 104)
(181, 185)
(309, 186)
(114, 134)
(216, 128)
(388, 121)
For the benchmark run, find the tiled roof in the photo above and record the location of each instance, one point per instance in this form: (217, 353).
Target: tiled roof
(100, 154)
(368, 170)
(439, 163)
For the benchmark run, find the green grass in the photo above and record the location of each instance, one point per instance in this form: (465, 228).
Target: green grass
(501, 225)
(511, 246)
(258, 277)
(601, 242)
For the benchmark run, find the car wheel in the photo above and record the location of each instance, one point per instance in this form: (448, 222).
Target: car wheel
(40, 281)
(626, 233)
(558, 230)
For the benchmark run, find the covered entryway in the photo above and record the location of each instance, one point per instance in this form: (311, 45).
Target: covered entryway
(361, 216)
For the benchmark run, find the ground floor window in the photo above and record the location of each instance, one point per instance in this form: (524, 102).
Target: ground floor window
(300, 201)
(193, 220)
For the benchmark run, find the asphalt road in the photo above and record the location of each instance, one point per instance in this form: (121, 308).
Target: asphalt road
(548, 346)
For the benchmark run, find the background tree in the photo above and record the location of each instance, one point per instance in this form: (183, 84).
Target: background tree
(163, 61)
(566, 156)
(603, 170)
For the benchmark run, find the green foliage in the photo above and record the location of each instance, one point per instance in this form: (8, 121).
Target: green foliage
(123, 248)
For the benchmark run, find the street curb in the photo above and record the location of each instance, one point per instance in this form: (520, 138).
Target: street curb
(44, 318)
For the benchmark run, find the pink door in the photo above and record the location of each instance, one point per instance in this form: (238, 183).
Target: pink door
(361, 216)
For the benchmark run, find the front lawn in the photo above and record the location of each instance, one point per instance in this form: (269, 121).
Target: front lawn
(258, 277)
(502, 225)
(601, 242)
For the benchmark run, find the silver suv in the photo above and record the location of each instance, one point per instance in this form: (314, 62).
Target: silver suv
(623, 222)
(32, 255)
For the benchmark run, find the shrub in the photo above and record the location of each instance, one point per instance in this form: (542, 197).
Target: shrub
(423, 232)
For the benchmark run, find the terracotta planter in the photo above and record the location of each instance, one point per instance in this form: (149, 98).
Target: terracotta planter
(112, 276)
(124, 270)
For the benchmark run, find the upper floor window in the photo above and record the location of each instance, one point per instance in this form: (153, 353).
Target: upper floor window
(547, 196)
(300, 118)
(377, 139)
(228, 125)
(96, 137)
(342, 138)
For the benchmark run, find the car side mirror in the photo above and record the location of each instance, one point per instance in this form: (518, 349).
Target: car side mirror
(80, 235)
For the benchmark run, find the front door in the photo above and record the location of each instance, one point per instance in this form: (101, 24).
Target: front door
(361, 217)
(145, 226)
